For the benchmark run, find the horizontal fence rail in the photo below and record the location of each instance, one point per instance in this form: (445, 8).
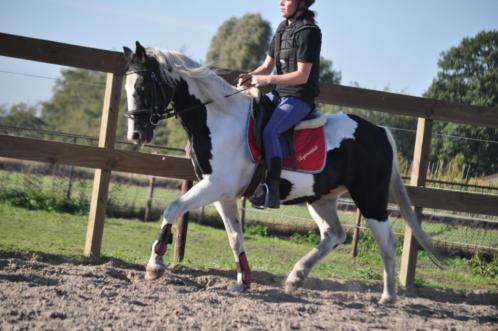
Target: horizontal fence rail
(61, 54)
(96, 157)
(401, 104)
(452, 200)
(181, 168)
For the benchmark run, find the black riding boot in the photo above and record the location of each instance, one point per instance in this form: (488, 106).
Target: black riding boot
(270, 195)
(274, 198)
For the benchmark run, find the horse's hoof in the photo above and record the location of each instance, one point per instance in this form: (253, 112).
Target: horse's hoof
(293, 282)
(238, 288)
(291, 287)
(387, 300)
(153, 273)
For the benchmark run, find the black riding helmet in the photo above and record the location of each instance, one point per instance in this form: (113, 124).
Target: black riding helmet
(306, 4)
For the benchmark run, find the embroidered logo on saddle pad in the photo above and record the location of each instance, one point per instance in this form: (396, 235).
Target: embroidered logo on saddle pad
(308, 143)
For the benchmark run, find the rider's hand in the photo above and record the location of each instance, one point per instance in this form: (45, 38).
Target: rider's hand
(244, 79)
(260, 80)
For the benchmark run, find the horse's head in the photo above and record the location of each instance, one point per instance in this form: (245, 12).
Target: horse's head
(148, 94)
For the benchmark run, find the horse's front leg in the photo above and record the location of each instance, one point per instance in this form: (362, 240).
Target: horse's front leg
(201, 194)
(230, 214)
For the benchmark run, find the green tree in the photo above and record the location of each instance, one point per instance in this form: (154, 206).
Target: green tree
(21, 115)
(240, 43)
(468, 74)
(327, 73)
(77, 102)
(177, 137)
(76, 105)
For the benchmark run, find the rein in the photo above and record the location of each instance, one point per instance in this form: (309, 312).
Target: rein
(157, 115)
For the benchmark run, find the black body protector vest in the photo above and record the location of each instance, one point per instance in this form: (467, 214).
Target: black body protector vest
(286, 59)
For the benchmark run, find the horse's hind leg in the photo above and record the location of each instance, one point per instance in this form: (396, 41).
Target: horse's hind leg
(386, 240)
(324, 212)
(230, 214)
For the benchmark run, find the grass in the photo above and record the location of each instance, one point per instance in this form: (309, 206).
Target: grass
(124, 196)
(23, 230)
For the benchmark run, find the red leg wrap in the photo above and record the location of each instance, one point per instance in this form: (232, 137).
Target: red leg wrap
(246, 271)
(163, 239)
(160, 248)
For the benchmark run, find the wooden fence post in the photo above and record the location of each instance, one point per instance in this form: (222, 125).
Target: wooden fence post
(70, 179)
(150, 197)
(418, 177)
(181, 229)
(356, 234)
(102, 177)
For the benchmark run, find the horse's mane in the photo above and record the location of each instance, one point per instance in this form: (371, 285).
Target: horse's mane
(208, 84)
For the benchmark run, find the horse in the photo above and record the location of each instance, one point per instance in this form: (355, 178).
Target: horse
(361, 160)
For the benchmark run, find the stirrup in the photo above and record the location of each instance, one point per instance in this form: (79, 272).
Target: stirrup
(256, 200)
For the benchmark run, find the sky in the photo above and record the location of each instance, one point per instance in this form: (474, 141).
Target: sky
(376, 43)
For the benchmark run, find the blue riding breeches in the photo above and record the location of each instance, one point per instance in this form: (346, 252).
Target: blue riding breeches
(289, 111)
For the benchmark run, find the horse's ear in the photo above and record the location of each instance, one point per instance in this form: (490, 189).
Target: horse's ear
(140, 51)
(127, 52)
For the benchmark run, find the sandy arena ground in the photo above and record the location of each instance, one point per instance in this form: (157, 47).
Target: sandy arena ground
(41, 292)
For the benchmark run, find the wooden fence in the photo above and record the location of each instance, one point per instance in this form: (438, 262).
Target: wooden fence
(105, 158)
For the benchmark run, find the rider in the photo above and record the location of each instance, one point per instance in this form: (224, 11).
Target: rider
(295, 52)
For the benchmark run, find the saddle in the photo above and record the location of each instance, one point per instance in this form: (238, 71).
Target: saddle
(303, 145)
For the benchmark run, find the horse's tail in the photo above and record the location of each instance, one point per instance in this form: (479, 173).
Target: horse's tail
(400, 194)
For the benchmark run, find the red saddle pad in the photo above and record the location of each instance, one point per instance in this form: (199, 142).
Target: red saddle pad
(309, 148)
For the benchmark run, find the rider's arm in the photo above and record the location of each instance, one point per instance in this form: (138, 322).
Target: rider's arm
(298, 77)
(266, 68)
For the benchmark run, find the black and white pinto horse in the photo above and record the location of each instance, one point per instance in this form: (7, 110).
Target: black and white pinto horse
(361, 160)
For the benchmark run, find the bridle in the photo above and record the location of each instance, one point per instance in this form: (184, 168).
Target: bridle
(155, 113)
